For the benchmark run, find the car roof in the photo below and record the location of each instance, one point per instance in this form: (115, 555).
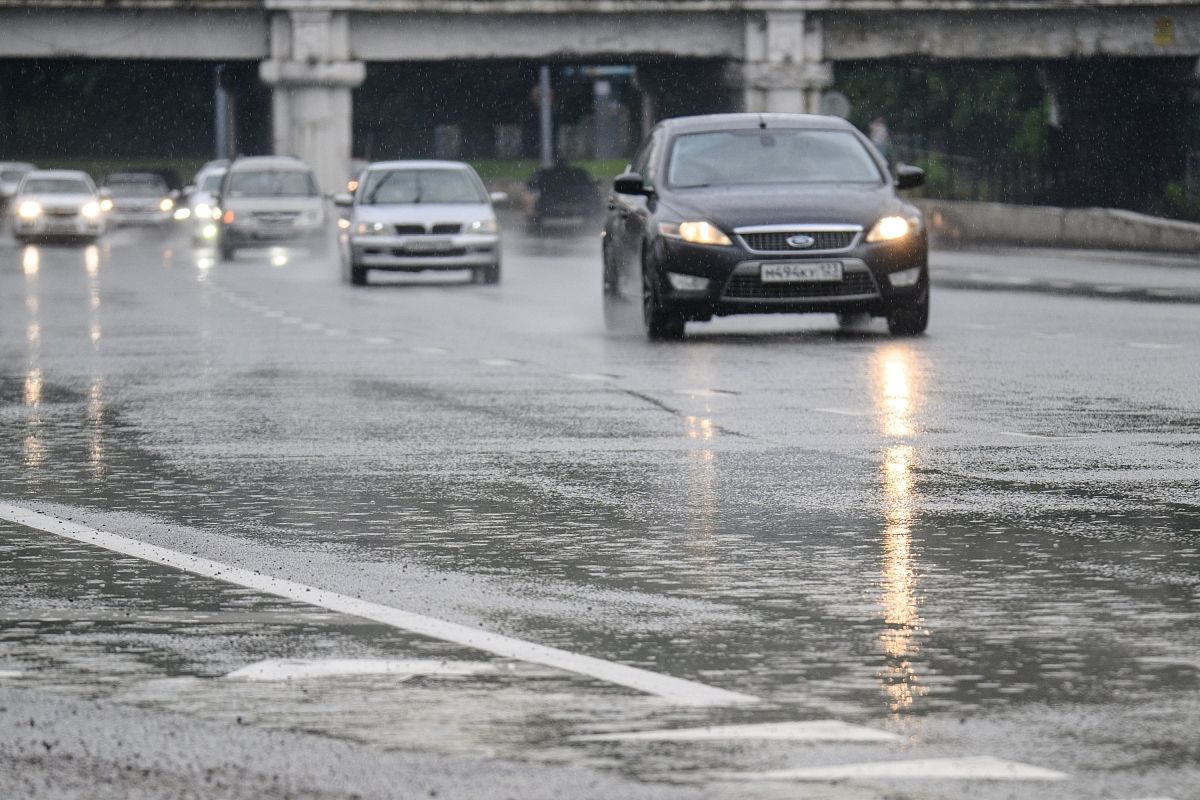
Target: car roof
(419, 164)
(16, 165)
(58, 173)
(726, 122)
(268, 162)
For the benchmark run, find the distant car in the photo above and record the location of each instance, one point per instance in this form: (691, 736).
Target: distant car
(266, 200)
(11, 173)
(410, 216)
(561, 196)
(357, 165)
(199, 210)
(138, 198)
(57, 204)
(760, 213)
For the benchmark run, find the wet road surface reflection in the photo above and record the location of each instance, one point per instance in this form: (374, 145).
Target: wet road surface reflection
(831, 521)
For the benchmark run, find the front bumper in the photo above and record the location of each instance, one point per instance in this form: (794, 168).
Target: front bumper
(735, 286)
(65, 226)
(251, 233)
(139, 216)
(417, 253)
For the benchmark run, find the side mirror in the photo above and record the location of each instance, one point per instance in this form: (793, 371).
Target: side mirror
(630, 183)
(909, 177)
(344, 200)
(498, 197)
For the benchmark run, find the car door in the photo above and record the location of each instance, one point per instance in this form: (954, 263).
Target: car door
(625, 225)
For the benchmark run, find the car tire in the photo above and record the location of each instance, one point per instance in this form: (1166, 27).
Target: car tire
(226, 250)
(660, 320)
(358, 275)
(489, 274)
(911, 318)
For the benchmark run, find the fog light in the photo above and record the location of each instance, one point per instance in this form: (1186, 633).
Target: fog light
(905, 277)
(687, 283)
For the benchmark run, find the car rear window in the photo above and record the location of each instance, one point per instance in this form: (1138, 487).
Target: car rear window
(428, 186)
(730, 158)
(272, 183)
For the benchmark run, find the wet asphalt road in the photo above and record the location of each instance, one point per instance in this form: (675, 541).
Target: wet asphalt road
(983, 541)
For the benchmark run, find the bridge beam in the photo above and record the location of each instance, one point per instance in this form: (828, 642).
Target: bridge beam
(784, 67)
(312, 80)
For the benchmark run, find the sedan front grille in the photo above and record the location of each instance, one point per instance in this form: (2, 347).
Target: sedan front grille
(776, 241)
(748, 286)
(410, 230)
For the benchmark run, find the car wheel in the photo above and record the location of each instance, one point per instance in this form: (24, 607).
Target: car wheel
(490, 273)
(660, 320)
(911, 318)
(226, 250)
(358, 274)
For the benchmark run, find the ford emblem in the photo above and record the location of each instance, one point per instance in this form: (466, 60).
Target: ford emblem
(800, 241)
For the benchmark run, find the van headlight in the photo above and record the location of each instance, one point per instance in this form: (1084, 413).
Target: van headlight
(889, 229)
(695, 232)
(30, 209)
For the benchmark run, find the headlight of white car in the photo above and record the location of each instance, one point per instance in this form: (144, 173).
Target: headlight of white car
(482, 226)
(369, 228)
(30, 209)
(90, 210)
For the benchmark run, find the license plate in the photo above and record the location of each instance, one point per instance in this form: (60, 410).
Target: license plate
(431, 246)
(792, 271)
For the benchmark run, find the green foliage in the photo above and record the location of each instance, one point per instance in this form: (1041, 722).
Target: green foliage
(519, 171)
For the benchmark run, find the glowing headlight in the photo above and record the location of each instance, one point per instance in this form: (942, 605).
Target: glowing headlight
(166, 204)
(204, 210)
(30, 209)
(891, 228)
(368, 228)
(106, 204)
(696, 232)
(209, 231)
(482, 226)
(183, 212)
(90, 210)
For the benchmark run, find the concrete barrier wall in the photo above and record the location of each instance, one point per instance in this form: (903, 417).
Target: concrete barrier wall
(952, 222)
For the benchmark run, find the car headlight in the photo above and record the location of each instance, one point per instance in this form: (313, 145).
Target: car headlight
(696, 232)
(106, 204)
(369, 228)
(90, 210)
(890, 229)
(182, 213)
(482, 226)
(166, 204)
(30, 209)
(204, 210)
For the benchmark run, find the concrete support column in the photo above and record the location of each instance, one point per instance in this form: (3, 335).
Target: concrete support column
(312, 81)
(784, 70)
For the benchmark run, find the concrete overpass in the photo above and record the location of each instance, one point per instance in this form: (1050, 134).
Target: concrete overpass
(779, 53)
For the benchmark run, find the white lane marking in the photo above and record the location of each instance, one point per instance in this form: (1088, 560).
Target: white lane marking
(591, 376)
(1021, 435)
(1171, 661)
(1061, 284)
(273, 314)
(979, 768)
(1110, 288)
(1165, 293)
(705, 392)
(290, 320)
(498, 362)
(282, 669)
(1154, 346)
(676, 690)
(843, 412)
(433, 351)
(336, 331)
(826, 730)
(377, 340)
(312, 326)
(10, 673)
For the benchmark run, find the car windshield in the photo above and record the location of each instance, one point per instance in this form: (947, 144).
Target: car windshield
(137, 188)
(731, 158)
(272, 183)
(56, 186)
(12, 174)
(212, 183)
(407, 186)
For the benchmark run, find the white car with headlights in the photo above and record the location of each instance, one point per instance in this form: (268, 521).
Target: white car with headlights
(266, 200)
(57, 204)
(412, 216)
(137, 198)
(199, 209)
(11, 173)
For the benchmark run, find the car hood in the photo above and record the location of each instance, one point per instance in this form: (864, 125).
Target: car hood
(735, 207)
(250, 204)
(419, 213)
(58, 201)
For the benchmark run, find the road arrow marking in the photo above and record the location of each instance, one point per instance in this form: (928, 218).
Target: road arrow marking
(973, 768)
(825, 730)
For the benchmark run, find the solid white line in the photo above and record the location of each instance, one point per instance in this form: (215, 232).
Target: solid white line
(1154, 346)
(1020, 435)
(843, 412)
(282, 669)
(980, 768)
(498, 362)
(676, 690)
(824, 730)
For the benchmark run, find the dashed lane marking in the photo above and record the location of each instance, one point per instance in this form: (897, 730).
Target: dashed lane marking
(277, 669)
(432, 351)
(1051, 437)
(979, 768)
(498, 362)
(843, 412)
(672, 689)
(591, 376)
(1155, 346)
(704, 392)
(826, 730)
(377, 340)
